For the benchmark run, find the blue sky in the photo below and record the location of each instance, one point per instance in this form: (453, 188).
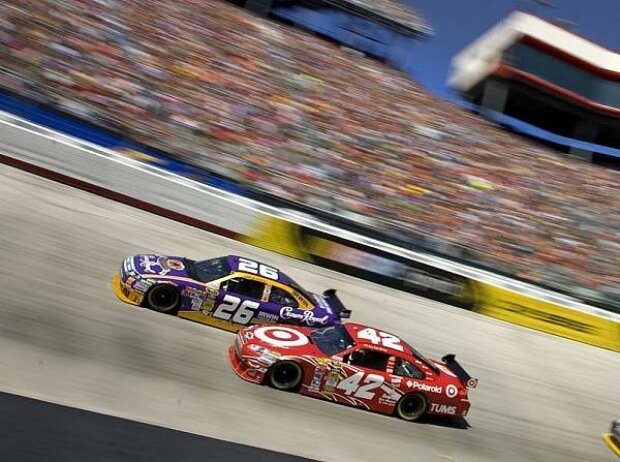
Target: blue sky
(459, 22)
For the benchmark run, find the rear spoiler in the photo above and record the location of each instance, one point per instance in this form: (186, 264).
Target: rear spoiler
(336, 304)
(455, 367)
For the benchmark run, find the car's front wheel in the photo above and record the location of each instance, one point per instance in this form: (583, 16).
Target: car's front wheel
(285, 375)
(163, 298)
(411, 407)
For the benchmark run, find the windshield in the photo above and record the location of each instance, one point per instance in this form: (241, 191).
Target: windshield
(209, 270)
(332, 340)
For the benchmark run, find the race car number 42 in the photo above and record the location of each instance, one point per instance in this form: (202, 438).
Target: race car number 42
(351, 385)
(381, 338)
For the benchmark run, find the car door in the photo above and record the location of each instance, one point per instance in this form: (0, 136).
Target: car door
(239, 300)
(230, 303)
(365, 382)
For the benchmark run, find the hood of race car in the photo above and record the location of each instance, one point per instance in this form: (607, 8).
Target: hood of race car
(278, 340)
(156, 265)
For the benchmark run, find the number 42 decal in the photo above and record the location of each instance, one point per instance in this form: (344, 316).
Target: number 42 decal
(351, 385)
(381, 338)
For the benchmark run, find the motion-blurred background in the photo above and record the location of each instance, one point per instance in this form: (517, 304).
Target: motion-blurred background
(314, 105)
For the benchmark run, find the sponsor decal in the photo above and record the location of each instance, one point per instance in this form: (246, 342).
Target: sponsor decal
(258, 349)
(390, 364)
(334, 376)
(264, 355)
(322, 302)
(420, 279)
(386, 400)
(148, 262)
(197, 297)
(451, 391)
(443, 409)
(444, 369)
(424, 387)
(209, 302)
(268, 316)
(201, 300)
(281, 336)
(396, 381)
(175, 265)
(331, 381)
(356, 258)
(550, 318)
(249, 335)
(390, 395)
(315, 384)
(142, 286)
(301, 300)
(307, 317)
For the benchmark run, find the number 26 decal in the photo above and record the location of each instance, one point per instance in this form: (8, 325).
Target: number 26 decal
(252, 267)
(233, 309)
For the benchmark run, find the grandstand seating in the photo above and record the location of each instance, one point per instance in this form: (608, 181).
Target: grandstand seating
(293, 116)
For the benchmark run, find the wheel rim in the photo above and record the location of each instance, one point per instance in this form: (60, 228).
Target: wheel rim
(163, 298)
(286, 376)
(411, 407)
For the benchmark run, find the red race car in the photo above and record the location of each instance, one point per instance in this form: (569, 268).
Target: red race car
(355, 365)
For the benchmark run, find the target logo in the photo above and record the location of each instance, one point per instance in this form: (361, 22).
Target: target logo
(451, 391)
(281, 336)
(472, 383)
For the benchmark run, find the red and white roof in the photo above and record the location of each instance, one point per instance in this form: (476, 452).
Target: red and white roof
(482, 57)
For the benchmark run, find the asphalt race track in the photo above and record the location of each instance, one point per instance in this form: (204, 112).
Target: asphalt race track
(64, 338)
(77, 435)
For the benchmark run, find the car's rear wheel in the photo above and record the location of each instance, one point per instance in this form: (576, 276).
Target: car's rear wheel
(411, 407)
(285, 375)
(163, 298)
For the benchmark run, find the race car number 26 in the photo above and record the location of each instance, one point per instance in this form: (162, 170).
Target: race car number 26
(250, 266)
(235, 310)
(352, 385)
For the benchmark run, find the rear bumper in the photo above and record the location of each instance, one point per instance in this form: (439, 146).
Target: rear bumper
(124, 294)
(243, 369)
(612, 443)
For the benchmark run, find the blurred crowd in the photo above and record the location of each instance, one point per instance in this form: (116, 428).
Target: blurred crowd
(297, 117)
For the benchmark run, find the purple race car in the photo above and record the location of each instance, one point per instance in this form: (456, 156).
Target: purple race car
(227, 292)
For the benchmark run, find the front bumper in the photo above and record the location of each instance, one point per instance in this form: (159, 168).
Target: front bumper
(243, 369)
(125, 294)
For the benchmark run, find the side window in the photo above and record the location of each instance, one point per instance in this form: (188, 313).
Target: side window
(369, 358)
(404, 368)
(282, 297)
(247, 287)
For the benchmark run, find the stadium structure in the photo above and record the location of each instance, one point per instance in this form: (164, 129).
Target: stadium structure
(385, 30)
(547, 76)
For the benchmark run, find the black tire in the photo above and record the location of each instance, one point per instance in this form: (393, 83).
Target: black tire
(285, 375)
(411, 407)
(163, 298)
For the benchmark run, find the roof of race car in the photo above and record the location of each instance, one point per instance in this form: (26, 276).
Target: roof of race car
(234, 263)
(384, 341)
(380, 340)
